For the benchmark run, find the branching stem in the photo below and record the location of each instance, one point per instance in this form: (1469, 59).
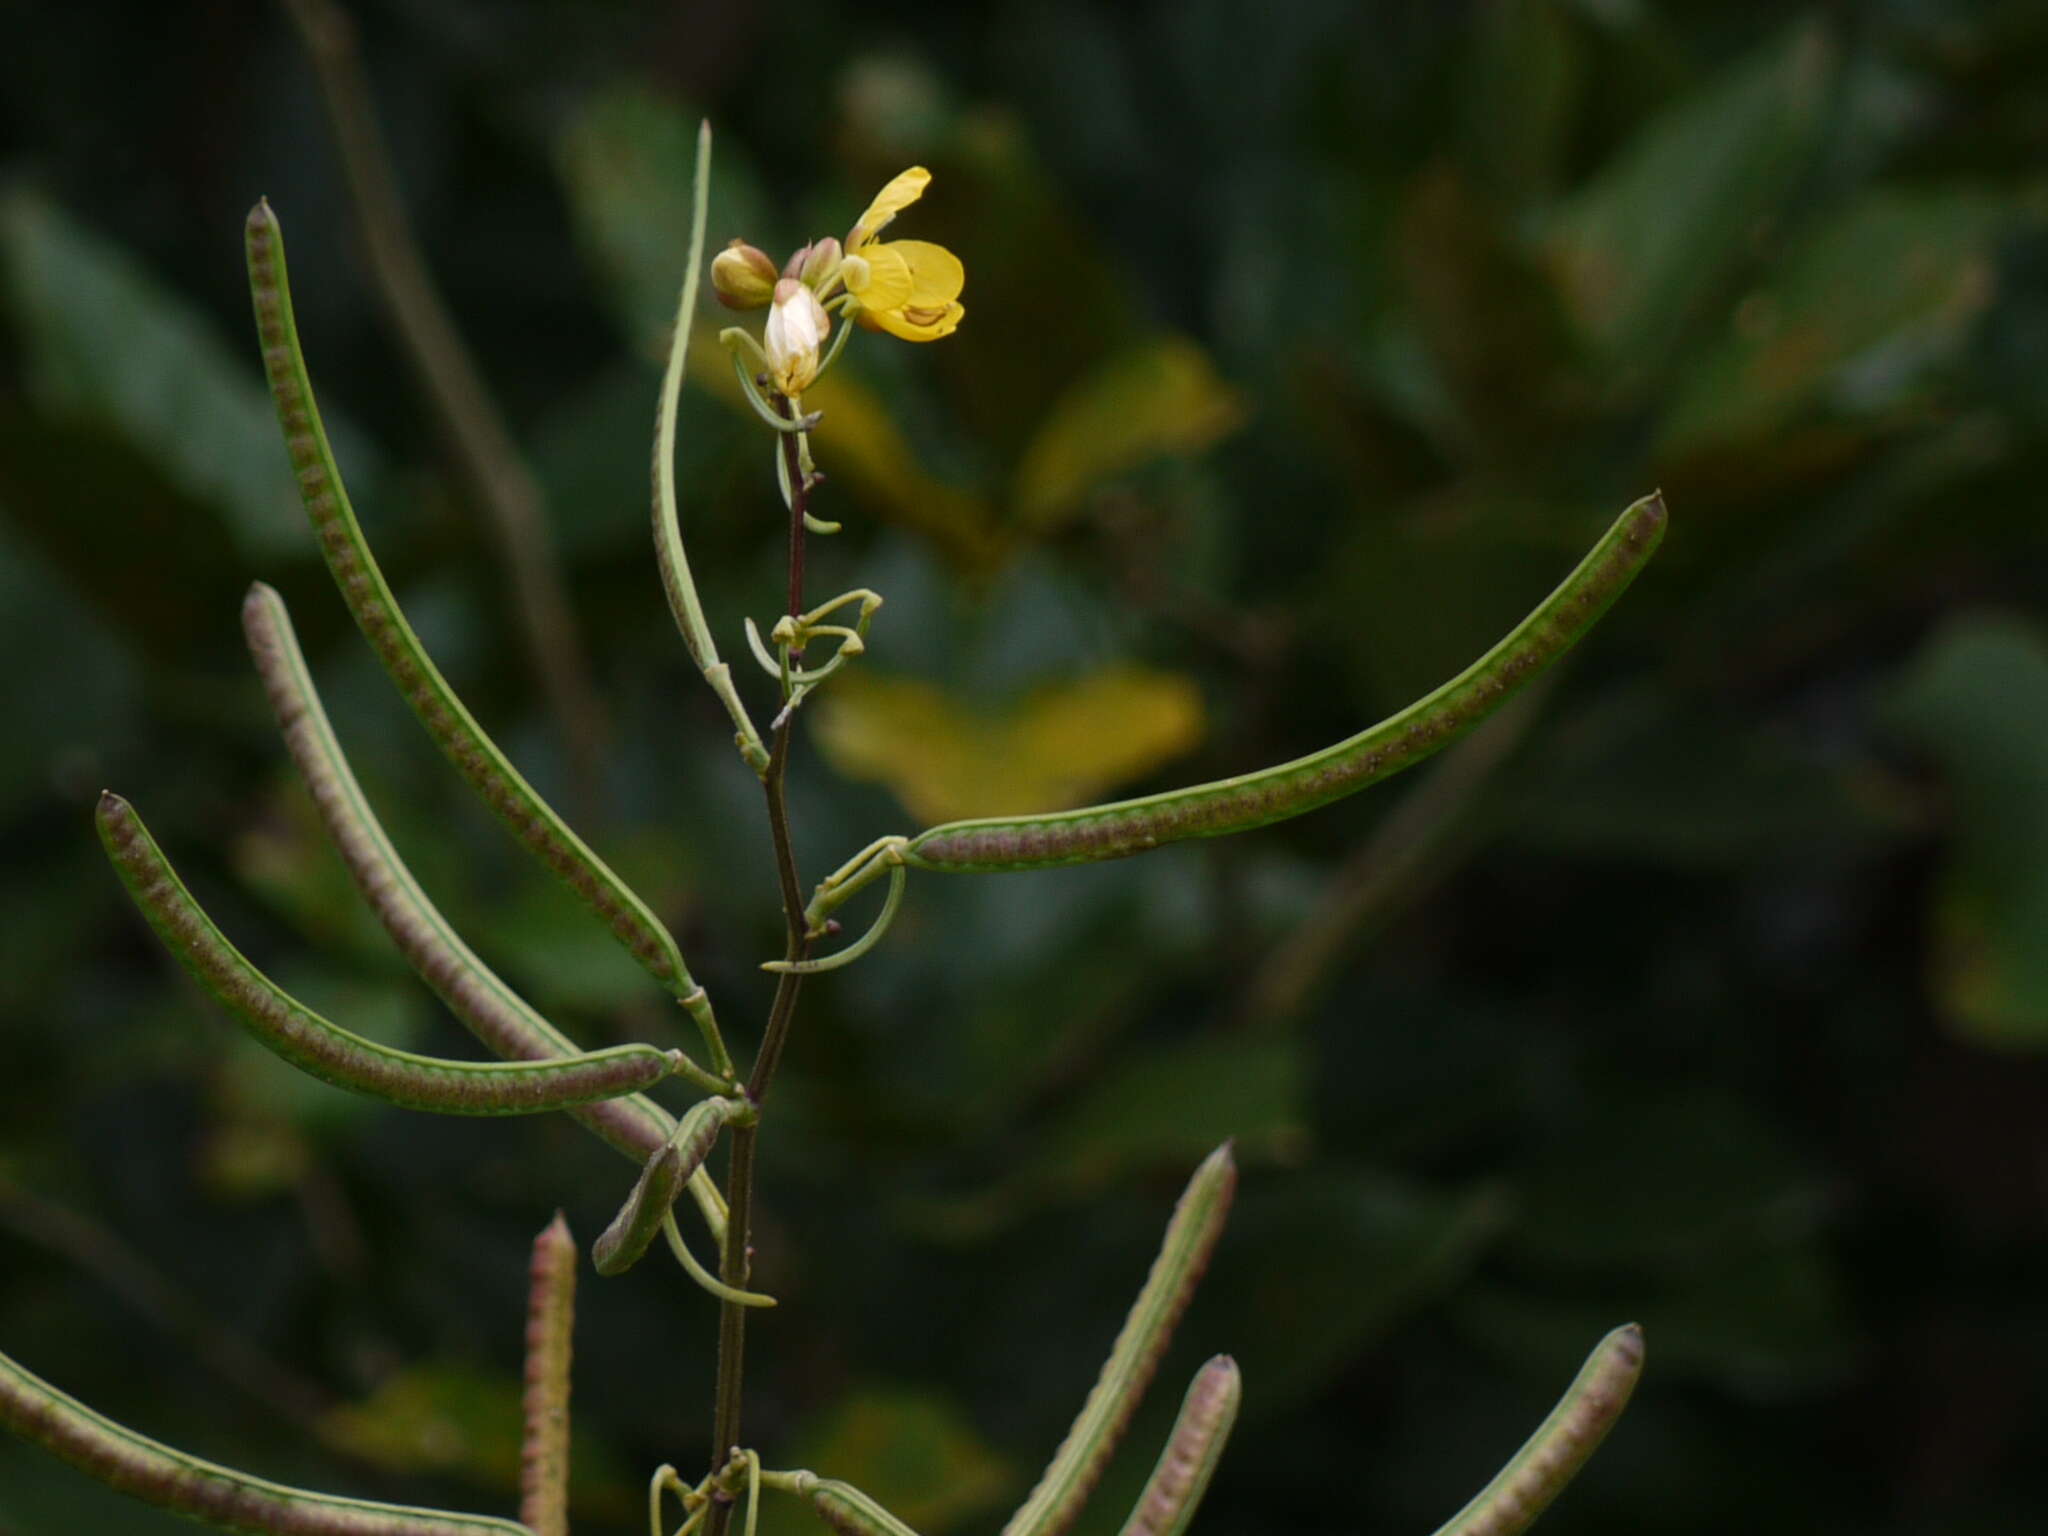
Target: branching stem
(739, 1189)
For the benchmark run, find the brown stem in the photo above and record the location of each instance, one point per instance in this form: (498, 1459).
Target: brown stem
(476, 430)
(739, 1180)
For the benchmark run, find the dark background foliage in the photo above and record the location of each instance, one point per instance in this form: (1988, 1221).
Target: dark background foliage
(1304, 351)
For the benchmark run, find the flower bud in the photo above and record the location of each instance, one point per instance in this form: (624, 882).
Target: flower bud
(796, 330)
(820, 265)
(742, 276)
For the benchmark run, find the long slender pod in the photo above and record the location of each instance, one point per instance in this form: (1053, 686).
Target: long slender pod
(1174, 1490)
(515, 802)
(1552, 1456)
(327, 1051)
(841, 1506)
(494, 1013)
(677, 585)
(671, 1167)
(144, 1469)
(1288, 789)
(1183, 1256)
(550, 1324)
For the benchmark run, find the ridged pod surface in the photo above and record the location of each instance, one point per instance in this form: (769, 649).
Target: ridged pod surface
(1238, 804)
(631, 1232)
(335, 1055)
(550, 1326)
(1552, 1456)
(1183, 1256)
(156, 1474)
(368, 596)
(498, 1016)
(1174, 1491)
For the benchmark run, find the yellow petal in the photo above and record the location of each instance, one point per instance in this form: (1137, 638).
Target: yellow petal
(936, 276)
(913, 323)
(902, 191)
(880, 277)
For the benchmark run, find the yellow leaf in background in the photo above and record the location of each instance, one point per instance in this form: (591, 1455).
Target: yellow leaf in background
(1059, 746)
(913, 1452)
(1160, 398)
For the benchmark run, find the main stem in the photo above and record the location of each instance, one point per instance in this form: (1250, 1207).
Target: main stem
(739, 1179)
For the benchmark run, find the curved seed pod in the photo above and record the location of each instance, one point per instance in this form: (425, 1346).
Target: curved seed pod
(550, 1322)
(1181, 1477)
(677, 585)
(331, 1053)
(493, 1012)
(1288, 789)
(634, 1229)
(143, 1469)
(841, 1506)
(1183, 1255)
(1552, 1456)
(369, 599)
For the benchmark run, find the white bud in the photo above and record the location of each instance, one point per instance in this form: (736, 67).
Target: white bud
(796, 331)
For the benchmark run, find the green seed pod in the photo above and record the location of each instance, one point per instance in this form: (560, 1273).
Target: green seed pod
(144, 1469)
(1274, 794)
(667, 1172)
(474, 993)
(550, 1323)
(1183, 1255)
(1181, 1476)
(475, 756)
(844, 1507)
(331, 1053)
(1552, 1456)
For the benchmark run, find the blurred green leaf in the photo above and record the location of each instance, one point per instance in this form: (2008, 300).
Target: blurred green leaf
(1161, 1107)
(1766, 1315)
(1849, 325)
(1654, 236)
(284, 856)
(626, 158)
(78, 691)
(1525, 77)
(1661, 1182)
(1976, 700)
(1174, 1104)
(446, 1418)
(106, 341)
(913, 1451)
(1630, 779)
(1320, 1265)
(1491, 319)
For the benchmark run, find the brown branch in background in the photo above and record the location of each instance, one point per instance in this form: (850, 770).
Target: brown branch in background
(483, 444)
(1417, 841)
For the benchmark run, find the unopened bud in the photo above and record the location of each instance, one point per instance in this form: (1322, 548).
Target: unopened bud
(743, 276)
(820, 265)
(796, 330)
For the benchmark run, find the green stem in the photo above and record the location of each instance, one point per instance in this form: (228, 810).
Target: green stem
(732, 1318)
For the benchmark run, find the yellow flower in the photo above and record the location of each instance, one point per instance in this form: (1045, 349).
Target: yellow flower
(909, 288)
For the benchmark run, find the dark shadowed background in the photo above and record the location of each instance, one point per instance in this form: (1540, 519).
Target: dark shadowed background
(1304, 351)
